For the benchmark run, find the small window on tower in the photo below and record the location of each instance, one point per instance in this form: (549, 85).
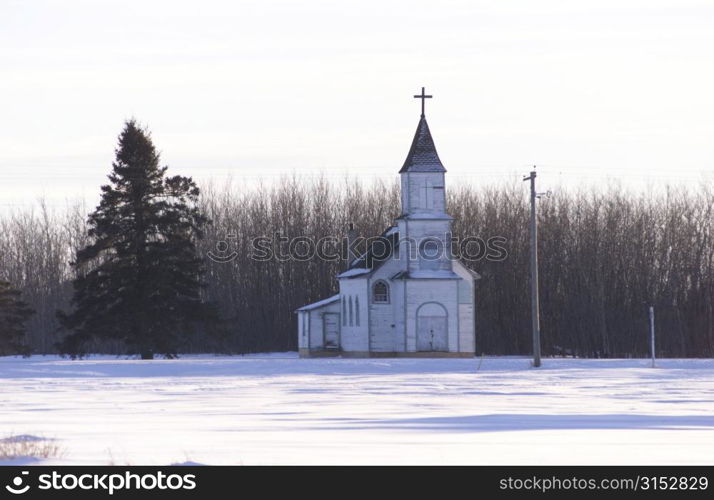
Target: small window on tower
(431, 253)
(380, 293)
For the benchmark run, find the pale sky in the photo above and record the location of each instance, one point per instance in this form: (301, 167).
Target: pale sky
(585, 89)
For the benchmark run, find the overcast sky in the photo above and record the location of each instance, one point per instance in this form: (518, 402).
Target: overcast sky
(585, 89)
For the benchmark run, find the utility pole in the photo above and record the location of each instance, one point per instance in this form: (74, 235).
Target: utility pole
(535, 308)
(652, 336)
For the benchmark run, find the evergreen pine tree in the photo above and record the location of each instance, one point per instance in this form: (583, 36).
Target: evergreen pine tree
(13, 314)
(140, 277)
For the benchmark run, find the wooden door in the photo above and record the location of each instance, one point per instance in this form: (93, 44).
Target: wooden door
(432, 333)
(331, 327)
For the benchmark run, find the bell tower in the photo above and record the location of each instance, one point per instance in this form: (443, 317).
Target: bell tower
(422, 175)
(424, 224)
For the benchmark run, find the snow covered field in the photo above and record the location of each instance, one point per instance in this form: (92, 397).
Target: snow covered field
(277, 409)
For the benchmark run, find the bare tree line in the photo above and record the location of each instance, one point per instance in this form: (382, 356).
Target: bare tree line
(605, 255)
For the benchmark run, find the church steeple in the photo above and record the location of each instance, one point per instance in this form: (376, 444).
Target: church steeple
(422, 155)
(422, 175)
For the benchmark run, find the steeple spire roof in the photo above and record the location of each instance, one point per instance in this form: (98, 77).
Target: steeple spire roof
(422, 155)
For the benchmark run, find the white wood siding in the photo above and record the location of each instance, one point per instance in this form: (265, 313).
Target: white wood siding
(466, 308)
(353, 336)
(443, 292)
(387, 320)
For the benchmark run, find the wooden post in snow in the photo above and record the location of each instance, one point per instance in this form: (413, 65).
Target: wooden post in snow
(535, 308)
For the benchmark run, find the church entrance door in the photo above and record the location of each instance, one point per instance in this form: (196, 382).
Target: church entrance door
(432, 328)
(331, 327)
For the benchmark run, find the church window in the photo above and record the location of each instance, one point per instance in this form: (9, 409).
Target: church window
(429, 196)
(357, 310)
(351, 316)
(380, 293)
(431, 252)
(344, 311)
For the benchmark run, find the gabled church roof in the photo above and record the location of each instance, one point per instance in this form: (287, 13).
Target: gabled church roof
(422, 155)
(319, 303)
(379, 251)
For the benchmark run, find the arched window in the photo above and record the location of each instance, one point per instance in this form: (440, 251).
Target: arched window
(357, 310)
(344, 311)
(380, 293)
(351, 316)
(431, 253)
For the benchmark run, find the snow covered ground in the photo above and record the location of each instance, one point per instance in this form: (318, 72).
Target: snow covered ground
(277, 409)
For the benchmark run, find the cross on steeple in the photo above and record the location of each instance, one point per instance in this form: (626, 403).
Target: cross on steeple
(422, 96)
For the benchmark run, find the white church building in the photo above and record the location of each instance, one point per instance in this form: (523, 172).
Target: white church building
(407, 295)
